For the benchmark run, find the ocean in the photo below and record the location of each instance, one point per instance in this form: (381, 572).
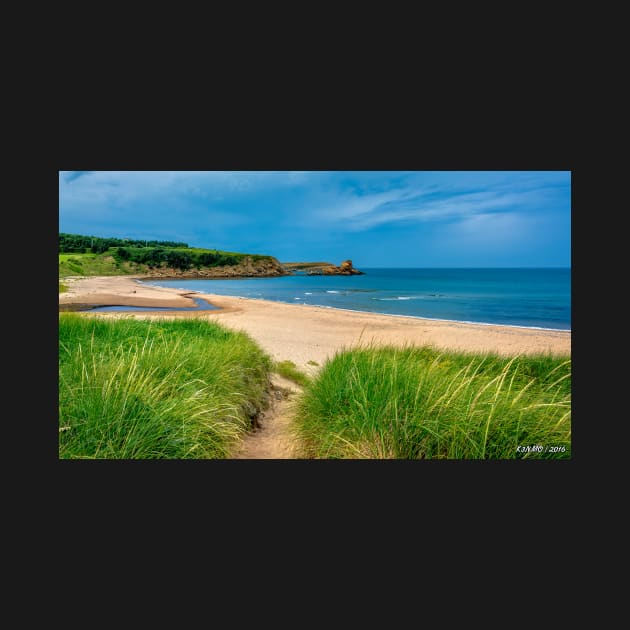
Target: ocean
(534, 298)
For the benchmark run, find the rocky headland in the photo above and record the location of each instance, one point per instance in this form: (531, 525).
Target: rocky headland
(323, 269)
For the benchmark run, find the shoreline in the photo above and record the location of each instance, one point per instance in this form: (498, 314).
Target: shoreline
(141, 280)
(310, 334)
(350, 310)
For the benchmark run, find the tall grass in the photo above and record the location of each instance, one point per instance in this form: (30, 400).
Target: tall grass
(138, 389)
(95, 265)
(289, 370)
(417, 403)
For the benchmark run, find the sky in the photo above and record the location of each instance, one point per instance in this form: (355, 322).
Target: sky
(374, 218)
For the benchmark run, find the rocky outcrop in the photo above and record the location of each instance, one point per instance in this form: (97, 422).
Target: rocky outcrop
(344, 269)
(247, 268)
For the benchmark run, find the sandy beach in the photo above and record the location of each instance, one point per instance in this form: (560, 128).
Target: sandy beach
(302, 333)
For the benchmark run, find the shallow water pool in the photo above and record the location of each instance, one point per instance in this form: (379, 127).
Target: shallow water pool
(202, 305)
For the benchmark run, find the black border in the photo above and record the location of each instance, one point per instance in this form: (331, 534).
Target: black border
(342, 142)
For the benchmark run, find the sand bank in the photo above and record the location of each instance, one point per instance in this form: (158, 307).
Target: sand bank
(304, 333)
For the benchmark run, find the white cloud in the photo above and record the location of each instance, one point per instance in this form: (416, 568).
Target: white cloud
(396, 206)
(129, 185)
(352, 208)
(495, 231)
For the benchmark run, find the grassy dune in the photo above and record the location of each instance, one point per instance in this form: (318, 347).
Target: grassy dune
(95, 265)
(420, 403)
(137, 389)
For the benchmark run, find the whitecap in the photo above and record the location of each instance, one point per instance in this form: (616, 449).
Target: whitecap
(401, 297)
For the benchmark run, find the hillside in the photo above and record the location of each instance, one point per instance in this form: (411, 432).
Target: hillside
(97, 256)
(91, 256)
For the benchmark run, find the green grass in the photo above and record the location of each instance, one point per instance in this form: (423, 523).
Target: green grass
(78, 257)
(108, 264)
(139, 389)
(95, 265)
(417, 403)
(289, 370)
(62, 287)
(203, 250)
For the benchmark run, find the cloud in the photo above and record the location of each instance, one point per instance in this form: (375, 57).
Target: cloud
(368, 211)
(71, 176)
(494, 229)
(511, 238)
(444, 203)
(354, 208)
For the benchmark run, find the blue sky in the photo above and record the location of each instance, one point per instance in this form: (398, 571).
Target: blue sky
(376, 218)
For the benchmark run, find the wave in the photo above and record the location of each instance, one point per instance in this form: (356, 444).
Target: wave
(401, 297)
(408, 297)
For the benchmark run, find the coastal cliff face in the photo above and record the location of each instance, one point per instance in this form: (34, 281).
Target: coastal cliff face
(345, 269)
(264, 268)
(247, 268)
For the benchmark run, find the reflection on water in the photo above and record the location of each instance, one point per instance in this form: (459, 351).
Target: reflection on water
(202, 305)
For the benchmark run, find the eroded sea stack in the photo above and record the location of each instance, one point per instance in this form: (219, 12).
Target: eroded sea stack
(344, 269)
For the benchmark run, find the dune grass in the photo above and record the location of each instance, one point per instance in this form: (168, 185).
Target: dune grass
(289, 370)
(417, 403)
(139, 389)
(95, 265)
(76, 256)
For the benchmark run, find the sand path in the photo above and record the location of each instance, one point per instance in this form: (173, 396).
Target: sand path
(274, 439)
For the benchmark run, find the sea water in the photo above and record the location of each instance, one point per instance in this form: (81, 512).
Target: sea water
(537, 298)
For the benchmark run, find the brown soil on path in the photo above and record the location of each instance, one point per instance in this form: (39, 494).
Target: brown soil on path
(274, 438)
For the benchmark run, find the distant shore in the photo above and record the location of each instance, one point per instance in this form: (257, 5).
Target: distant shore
(308, 334)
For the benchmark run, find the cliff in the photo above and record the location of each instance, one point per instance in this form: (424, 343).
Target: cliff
(247, 268)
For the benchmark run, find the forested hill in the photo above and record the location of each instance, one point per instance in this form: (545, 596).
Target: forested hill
(79, 244)
(94, 255)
